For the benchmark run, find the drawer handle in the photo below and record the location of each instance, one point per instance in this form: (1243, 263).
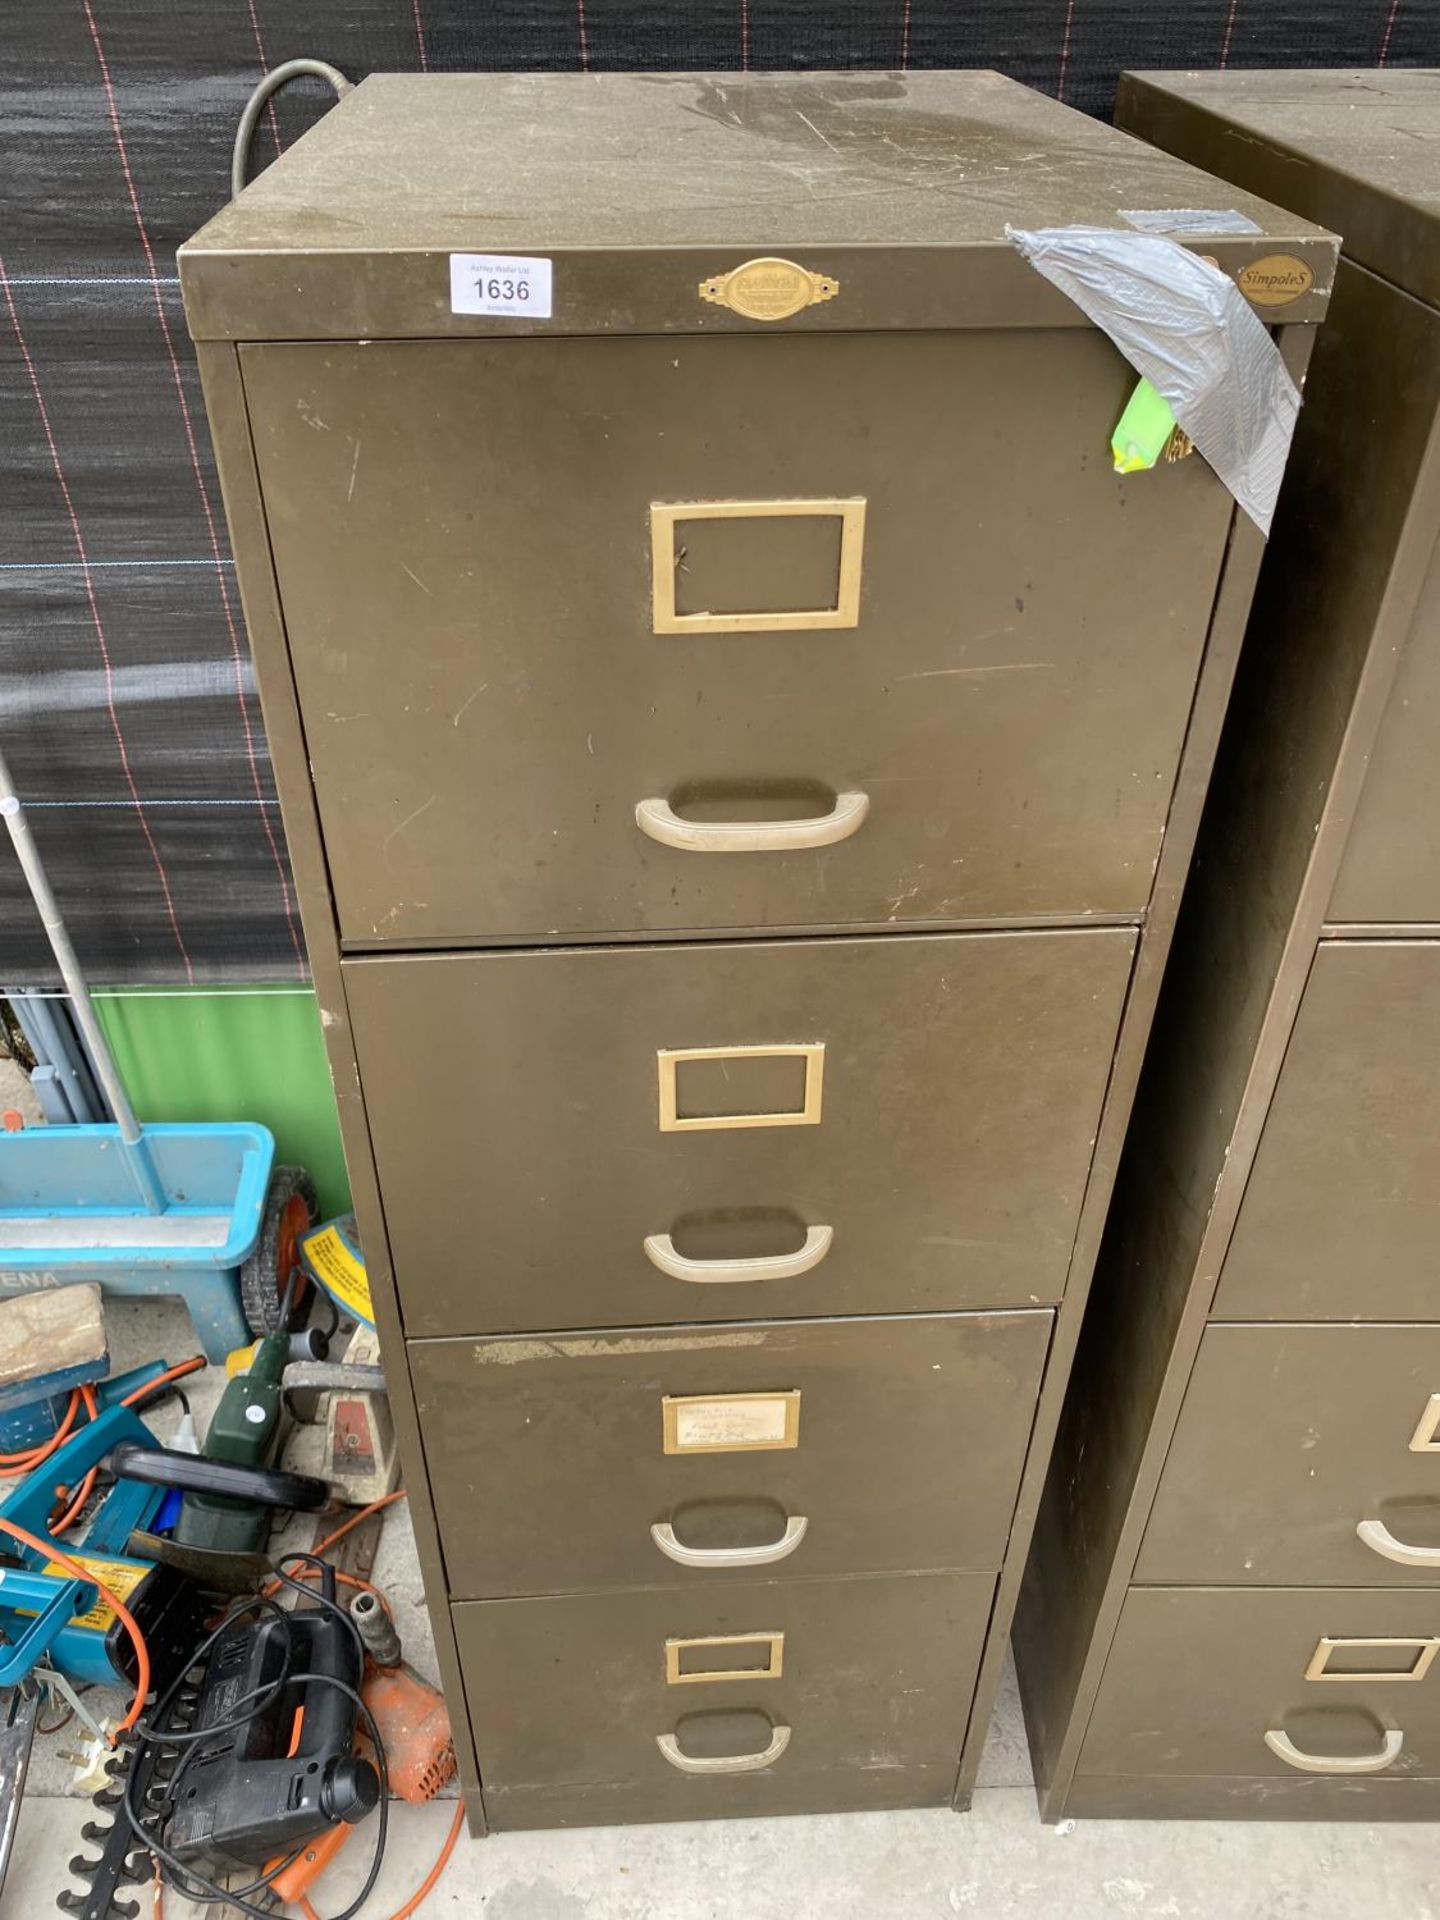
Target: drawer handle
(727, 1763)
(1284, 1748)
(660, 1251)
(660, 820)
(1378, 1537)
(663, 1534)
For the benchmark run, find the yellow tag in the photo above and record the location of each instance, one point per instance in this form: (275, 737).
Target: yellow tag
(121, 1576)
(340, 1272)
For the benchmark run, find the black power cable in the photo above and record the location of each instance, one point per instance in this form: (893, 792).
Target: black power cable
(187, 1880)
(263, 1696)
(277, 77)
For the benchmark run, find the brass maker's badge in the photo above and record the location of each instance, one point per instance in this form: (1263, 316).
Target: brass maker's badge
(769, 289)
(1275, 281)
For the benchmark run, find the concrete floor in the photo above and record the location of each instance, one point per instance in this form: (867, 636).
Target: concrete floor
(996, 1861)
(16, 1094)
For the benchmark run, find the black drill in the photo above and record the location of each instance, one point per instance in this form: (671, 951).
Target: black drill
(268, 1784)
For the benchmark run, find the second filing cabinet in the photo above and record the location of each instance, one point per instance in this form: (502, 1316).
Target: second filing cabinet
(740, 743)
(1234, 1605)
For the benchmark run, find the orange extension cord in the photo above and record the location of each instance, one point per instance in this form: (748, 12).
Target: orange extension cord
(178, 1372)
(112, 1600)
(427, 1885)
(322, 1546)
(87, 1486)
(13, 1465)
(86, 1396)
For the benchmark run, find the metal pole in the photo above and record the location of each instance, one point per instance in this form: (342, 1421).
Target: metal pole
(55, 1043)
(101, 1059)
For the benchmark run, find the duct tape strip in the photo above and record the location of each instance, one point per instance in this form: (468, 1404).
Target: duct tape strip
(1187, 327)
(1188, 220)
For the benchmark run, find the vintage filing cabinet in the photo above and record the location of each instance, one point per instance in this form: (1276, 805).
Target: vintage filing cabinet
(1234, 1602)
(740, 745)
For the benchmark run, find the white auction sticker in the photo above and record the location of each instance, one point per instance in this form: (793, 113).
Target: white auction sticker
(500, 283)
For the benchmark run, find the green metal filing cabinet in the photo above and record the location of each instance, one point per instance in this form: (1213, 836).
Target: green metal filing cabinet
(740, 745)
(1234, 1603)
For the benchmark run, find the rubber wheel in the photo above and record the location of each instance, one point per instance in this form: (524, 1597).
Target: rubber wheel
(291, 1208)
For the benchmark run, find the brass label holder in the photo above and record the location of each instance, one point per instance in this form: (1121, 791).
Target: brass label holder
(731, 1422)
(666, 515)
(1424, 1440)
(807, 1114)
(1425, 1652)
(676, 1676)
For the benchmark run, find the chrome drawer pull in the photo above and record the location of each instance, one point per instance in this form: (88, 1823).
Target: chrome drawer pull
(727, 1763)
(663, 1534)
(659, 820)
(660, 1251)
(1378, 1537)
(1284, 1748)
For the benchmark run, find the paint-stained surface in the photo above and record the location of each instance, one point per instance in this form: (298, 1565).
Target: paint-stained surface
(837, 168)
(885, 1408)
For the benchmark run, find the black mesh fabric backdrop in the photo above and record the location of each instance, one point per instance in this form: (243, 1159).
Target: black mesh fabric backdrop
(125, 687)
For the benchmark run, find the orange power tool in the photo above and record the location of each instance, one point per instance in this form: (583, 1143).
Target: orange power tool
(414, 1726)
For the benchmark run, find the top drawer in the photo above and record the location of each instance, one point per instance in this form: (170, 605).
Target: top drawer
(501, 649)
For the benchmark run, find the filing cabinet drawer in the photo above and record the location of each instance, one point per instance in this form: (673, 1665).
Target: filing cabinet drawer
(893, 1123)
(1213, 1682)
(1293, 1438)
(646, 1459)
(831, 1695)
(1391, 867)
(1233, 1797)
(501, 651)
(1341, 1216)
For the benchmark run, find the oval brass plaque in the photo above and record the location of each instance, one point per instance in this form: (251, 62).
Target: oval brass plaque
(1275, 281)
(769, 289)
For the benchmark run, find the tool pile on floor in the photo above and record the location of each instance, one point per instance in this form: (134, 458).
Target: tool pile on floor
(267, 1717)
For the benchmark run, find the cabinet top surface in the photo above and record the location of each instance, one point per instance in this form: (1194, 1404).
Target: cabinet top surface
(1358, 150)
(721, 165)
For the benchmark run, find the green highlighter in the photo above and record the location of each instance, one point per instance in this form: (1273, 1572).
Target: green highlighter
(1143, 430)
